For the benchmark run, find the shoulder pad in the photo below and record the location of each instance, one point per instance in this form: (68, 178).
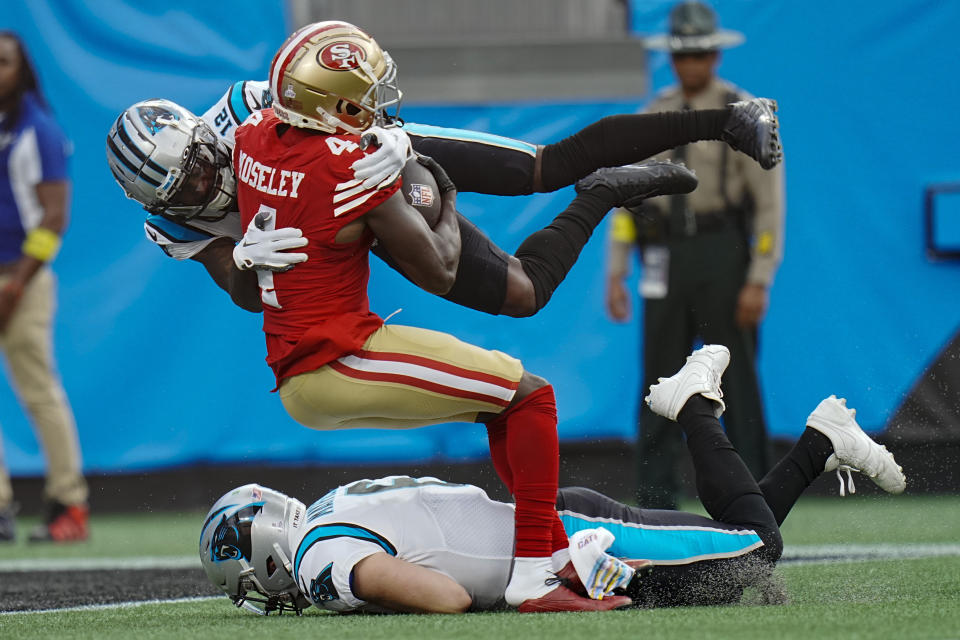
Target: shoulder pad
(165, 231)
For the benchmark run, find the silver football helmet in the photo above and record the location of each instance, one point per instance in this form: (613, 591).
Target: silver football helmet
(171, 161)
(245, 549)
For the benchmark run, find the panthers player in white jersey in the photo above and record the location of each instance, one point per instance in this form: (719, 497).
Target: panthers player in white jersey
(424, 545)
(181, 173)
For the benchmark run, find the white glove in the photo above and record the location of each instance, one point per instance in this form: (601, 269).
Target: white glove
(266, 249)
(600, 572)
(383, 165)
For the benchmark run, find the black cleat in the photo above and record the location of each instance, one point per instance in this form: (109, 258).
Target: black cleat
(754, 129)
(633, 183)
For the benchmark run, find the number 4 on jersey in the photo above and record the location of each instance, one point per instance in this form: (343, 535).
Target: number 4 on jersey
(338, 145)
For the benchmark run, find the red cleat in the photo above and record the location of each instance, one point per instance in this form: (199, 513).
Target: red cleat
(65, 523)
(569, 578)
(563, 599)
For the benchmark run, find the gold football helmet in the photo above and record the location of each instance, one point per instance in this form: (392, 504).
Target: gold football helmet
(332, 76)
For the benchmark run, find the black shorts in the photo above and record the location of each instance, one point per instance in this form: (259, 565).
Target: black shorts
(478, 162)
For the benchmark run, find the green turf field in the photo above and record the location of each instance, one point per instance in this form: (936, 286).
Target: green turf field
(882, 598)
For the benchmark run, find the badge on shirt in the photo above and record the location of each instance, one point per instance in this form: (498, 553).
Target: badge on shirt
(656, 272)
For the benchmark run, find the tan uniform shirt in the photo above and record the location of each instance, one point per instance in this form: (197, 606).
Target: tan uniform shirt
(744, 176)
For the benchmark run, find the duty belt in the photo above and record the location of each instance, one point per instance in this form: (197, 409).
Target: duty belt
(654, 227)
(702, 223)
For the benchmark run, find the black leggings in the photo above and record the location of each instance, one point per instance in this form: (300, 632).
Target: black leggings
(734, 500)
(700, 582)
(483, 167)
(481, 282)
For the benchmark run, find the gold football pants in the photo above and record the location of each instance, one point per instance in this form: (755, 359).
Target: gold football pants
(403, 377)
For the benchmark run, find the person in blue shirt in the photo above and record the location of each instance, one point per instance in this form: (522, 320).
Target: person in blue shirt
(34, 197)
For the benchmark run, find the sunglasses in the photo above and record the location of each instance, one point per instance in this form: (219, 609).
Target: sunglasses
(692, 55)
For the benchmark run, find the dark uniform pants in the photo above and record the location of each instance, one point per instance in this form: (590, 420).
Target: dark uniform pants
(706, 273)
(697, 560)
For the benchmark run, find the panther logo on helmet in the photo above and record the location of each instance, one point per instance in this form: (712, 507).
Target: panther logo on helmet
(155, 118)
(231, 538)
(341, 56)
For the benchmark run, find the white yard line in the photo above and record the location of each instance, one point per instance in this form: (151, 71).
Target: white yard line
(81, 564)
(810, 554)
(115, 605)
(793, 555)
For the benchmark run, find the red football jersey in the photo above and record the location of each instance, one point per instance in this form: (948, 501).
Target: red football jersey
(317, 311)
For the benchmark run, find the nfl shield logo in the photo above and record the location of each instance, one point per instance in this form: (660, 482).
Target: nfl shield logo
(421, 195)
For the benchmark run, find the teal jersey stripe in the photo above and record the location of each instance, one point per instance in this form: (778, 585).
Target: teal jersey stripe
(338, 530)
(176, 232)
(678, 544)
(464, 135)
(237, 103)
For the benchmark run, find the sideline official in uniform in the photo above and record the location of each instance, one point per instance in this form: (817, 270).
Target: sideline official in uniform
(709, 259)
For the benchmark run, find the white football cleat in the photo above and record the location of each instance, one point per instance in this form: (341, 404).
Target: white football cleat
(701, 374)
(853, 450)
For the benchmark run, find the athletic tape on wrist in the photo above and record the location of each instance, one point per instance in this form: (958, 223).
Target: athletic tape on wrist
(42, 244)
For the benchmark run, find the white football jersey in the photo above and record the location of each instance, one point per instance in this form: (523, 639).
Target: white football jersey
(182, 240)
(235, 106)
(455, 529)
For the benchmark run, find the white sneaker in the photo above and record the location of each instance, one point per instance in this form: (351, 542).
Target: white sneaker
(853, 450)
(701, 374)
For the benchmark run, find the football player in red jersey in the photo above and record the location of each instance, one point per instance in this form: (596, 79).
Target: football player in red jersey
(170, 170)
(337, 364)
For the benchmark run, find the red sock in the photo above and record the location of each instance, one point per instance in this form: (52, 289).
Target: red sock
(559, 538)
(497, 436)
(533, 454)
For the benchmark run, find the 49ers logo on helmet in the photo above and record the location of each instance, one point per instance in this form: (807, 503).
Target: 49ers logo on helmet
(341, 56)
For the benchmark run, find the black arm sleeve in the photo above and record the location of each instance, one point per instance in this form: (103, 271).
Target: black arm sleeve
(481, 282)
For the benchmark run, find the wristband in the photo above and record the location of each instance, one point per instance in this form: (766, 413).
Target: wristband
(41, 244)
(623, 228)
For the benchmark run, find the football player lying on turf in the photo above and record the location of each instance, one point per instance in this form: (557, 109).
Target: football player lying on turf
(178, 166)
(422, 545)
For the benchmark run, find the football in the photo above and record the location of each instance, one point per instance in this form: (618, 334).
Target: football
(420, 189)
